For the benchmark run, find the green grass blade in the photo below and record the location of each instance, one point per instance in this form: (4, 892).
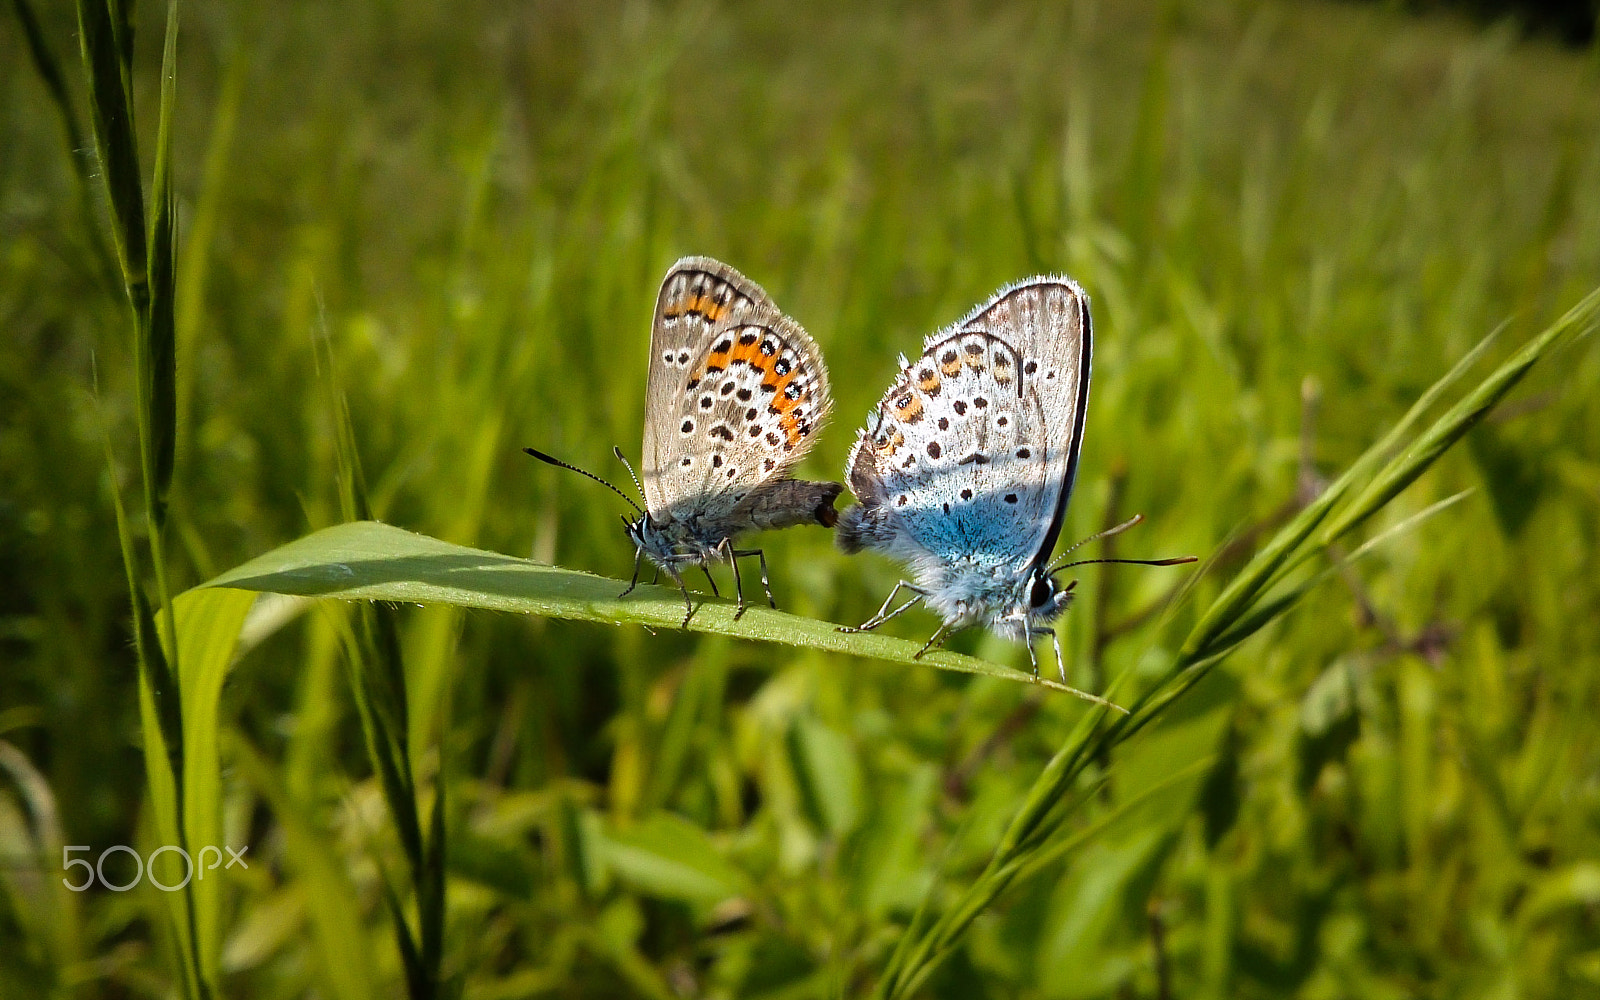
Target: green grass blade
(1404, 469)
(100, 39)
(50, 73)
(378, 686)
(377, 727)
(160, 717)
(1285, 550)
(379, 562)
(161, 328)
(208, 634)
(122, 17)
(1262, 614)
(430, 885)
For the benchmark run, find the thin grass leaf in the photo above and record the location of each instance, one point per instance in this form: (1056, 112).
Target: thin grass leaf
(101, 34)
(378, 686)
(1285, 551)
(160, 716)
(208, 635)
(369, 561)
(1404, 469)
(1027, 866)
(161, 328)
(1264, 613)
(918, 955)
(1038, 860)
(55, 84)
(430, 896)
(1052, 784)
(122, 14)
(353, 497)
(393, 779)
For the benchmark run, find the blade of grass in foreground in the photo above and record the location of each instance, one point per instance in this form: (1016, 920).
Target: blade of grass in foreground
(51, 75)
(106, 45)
(367, 560)
(378, 686)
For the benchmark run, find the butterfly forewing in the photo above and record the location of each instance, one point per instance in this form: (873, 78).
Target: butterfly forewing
(1047, 320)
(737, 392)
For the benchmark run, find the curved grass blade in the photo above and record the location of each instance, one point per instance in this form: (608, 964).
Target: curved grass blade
(161, 326)
(1285, 551)
(1404, 469)
(50, 74)
(367, 560)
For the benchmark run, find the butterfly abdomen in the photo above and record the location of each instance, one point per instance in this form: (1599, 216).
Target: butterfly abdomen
(790, 502)
(864, 526)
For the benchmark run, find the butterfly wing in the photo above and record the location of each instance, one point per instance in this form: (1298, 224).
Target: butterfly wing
(973, 450)
(696, 295)
(952, 454)
(1046, 319)
(737, 392)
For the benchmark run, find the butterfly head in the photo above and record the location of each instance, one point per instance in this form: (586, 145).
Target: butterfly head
(671, 544)
(1047, 598)
(1038, 600)
(1014, 606)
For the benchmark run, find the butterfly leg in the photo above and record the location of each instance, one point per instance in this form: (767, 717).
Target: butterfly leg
(1055, 642)
(688, 605)
(657, 578)
(884, 614)
(942, 633)
(738, 583)
(712, 581)
(638, 554)
(766, 584)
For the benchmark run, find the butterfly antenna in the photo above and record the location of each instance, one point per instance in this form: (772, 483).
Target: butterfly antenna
(629, 466)
(1109, 532)
(558, 463)
(1174, 561)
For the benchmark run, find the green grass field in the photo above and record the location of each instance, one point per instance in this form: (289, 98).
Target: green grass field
(1293, 218)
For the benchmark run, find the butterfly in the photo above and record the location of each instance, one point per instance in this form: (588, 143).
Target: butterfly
(736, 393)
(965, 468)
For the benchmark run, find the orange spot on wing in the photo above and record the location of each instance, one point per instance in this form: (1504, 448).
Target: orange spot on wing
(779, 383)
(750, 352)
(791, 428)
(699, 305)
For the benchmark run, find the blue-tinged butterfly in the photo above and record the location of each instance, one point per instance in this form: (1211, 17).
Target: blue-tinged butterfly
(965, 468)
(737, 390)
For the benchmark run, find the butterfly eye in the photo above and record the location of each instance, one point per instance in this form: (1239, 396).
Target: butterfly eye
(1040, 595)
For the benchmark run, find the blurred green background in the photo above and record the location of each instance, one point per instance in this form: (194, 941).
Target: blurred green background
(1291, 217)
